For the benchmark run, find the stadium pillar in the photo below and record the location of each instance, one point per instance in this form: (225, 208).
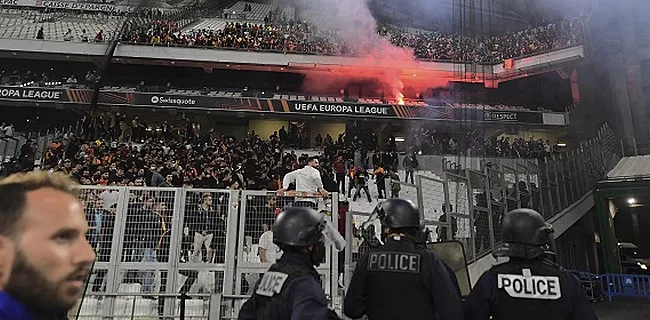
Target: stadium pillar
(625, 77)
(572, 76)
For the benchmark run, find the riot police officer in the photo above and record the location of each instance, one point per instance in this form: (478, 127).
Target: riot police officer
(401, 279)
(530, 283)
(290, 289)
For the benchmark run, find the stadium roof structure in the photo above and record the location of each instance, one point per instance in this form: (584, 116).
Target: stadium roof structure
(443, 14)
(489, 17)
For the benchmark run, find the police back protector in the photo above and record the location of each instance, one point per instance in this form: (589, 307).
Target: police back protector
(272, 290)
(397, 282)
(531, 290)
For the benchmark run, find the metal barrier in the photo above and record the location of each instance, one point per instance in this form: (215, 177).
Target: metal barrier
(163, 241)
(468, 205)
(356, 241)
(157, 243)
(625, 285)
(479, 198)
(258, 208)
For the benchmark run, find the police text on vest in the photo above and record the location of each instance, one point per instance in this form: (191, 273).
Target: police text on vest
(271, 283)
(531, 287)
(394, 261)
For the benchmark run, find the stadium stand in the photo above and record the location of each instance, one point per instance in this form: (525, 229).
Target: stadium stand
(167, 166)
(257, 26)
(80, 31)
(303, 37)
(69, 25)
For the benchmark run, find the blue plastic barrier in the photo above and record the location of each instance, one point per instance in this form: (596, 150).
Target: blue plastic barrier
(629, 285)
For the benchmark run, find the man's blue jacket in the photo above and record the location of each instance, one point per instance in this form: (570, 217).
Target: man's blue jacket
(10, 309)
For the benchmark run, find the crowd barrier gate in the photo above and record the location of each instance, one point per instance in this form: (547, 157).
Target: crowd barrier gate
(629, 285)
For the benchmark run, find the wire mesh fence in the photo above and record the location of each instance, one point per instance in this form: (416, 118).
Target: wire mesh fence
(155, 244)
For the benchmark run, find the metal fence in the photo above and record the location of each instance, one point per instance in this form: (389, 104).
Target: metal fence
(154, 244)
(479, 198)
(468, 204)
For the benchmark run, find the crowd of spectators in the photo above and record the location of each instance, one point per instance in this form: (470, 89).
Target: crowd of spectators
(431, 141)
(268, 37)
(518, 148)
(116, 149)
(109, 142)
(441, 46)
(284, 35)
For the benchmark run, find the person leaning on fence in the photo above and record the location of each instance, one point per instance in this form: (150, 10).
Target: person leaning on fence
(530, 283)
(291, 288)
(307, 179)
(46, 225)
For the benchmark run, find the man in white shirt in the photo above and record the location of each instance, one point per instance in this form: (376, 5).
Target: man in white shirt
(268, 251)
(307, 180)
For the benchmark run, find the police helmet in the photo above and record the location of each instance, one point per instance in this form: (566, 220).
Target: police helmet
(525, 235)
(398, 214)
(298, 227)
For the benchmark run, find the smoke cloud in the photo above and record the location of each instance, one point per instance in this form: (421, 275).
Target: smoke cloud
(352, 23)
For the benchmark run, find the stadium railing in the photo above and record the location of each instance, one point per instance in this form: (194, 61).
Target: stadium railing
(148, 254)
(547, 186)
